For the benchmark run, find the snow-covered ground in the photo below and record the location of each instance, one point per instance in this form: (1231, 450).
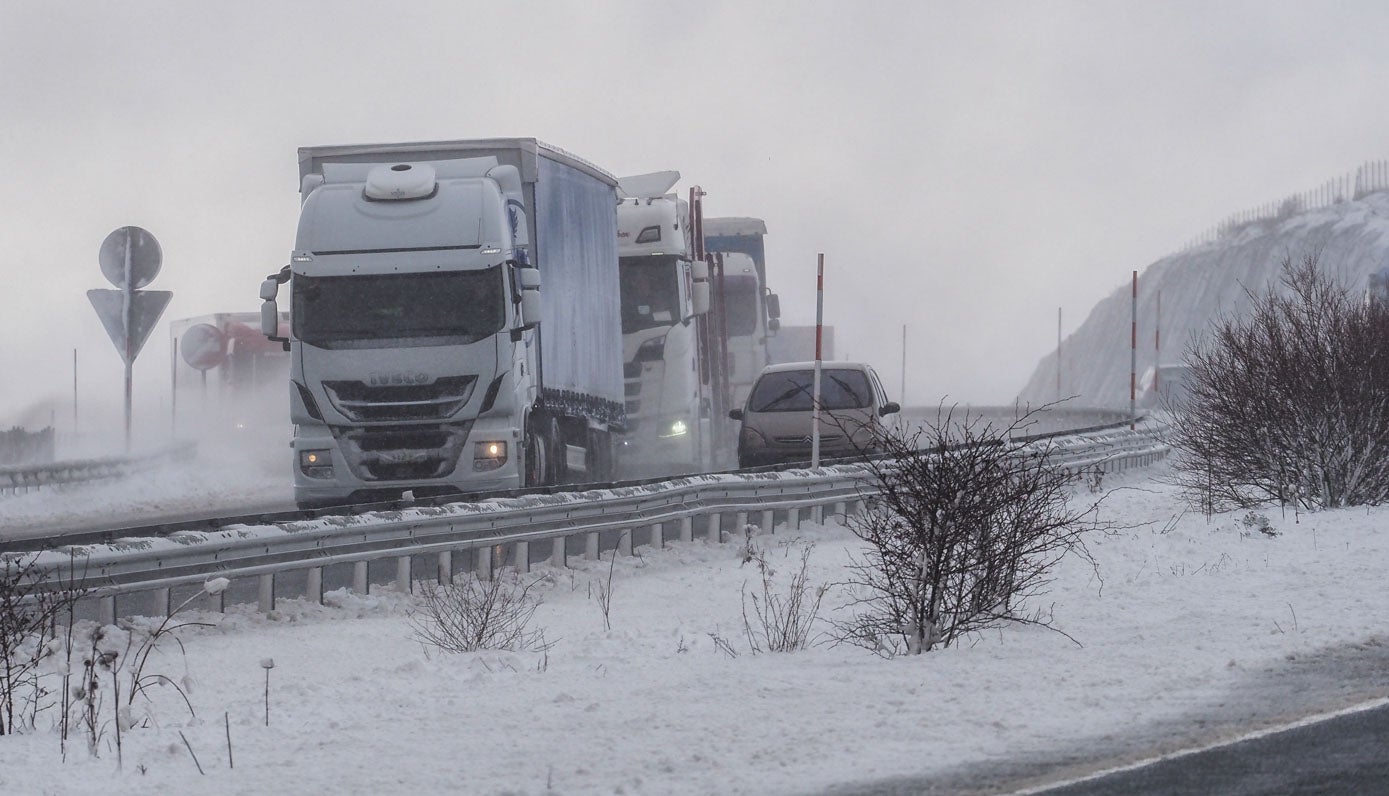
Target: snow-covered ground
(221, 479)
(1190, 628)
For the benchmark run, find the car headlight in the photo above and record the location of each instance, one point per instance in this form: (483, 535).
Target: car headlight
(748, 438)
(316, 463)
(489, 455)
(679, 428)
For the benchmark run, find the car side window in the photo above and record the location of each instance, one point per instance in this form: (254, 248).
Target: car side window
(877, 387)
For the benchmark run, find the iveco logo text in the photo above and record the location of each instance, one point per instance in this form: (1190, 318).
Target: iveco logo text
(397, 379)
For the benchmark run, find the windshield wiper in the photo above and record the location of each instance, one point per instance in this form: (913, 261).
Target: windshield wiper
(791, 393)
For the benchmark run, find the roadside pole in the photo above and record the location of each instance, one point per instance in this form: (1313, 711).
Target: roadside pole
(1133, 359)
(815, 392)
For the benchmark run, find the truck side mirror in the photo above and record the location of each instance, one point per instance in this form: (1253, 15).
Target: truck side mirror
(530, 308)
(269, 310)
(699, 297)
(529, 279)
(891, 407)
(773, 306)
(735, 414)
(773, 325)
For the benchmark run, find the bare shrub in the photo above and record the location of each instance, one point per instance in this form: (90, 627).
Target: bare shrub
(1288, 404)
(471, 614)
(29, 613)
(967, 525)
(781, 617)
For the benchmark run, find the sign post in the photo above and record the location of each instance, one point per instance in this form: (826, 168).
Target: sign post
(815, 397)
(130, 258)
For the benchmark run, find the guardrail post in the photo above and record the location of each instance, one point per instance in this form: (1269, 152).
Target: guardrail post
(402, 574)
(267, 593)
(740, 523)
(314, 588)
(817, 514)
(483, 563)
(523, 557)
(766, 521)
(359, 577)
(445, 576)
(715, 533)
(840, 511)
(106, 609)
(624, 544)
(591, 546)
(687, 529)
(658, 535)
(163, 603)
(793, 518)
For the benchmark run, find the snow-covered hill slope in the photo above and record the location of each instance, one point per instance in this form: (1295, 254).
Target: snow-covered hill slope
(1201, 284)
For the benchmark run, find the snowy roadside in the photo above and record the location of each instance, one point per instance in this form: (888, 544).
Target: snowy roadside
(1187, 618)
(209, 485)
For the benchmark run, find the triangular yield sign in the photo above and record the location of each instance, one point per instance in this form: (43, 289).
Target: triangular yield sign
(145, 308)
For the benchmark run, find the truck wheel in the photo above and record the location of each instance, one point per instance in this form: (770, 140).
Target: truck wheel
(600, 457)
(533, 464)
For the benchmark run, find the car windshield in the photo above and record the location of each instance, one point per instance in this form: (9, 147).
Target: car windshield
(453, 307)
(650, 293)
(790, 391)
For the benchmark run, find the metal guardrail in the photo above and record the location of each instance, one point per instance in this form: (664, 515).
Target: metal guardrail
(302, 558)
(25, 478)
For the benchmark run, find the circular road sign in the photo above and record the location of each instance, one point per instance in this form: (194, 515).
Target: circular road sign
(203, 346)
(145, 257)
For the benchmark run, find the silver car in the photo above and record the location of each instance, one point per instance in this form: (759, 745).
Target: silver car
(777, 415)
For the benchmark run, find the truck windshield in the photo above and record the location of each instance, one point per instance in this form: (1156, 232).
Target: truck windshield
(650, 293)
(452, 307)
(790, 391)
(741, 299)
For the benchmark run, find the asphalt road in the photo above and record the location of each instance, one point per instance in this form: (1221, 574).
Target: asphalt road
(1346, 754)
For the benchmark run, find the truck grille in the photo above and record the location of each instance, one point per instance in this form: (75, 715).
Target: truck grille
(631, 370)
(632, 388)
(403, 453)
(438, 401)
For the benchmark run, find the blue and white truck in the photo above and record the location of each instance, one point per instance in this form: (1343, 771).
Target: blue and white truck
(745, 308)
(455, 320)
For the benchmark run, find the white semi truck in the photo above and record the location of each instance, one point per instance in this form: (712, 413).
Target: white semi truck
(665, 291)
(746, 311)
(425, 354)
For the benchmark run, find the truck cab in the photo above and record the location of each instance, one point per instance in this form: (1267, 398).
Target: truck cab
(663, 290)
(412, 335)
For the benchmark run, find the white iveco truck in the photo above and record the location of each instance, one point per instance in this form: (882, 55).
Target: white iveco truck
(425, 355)
(664, 290)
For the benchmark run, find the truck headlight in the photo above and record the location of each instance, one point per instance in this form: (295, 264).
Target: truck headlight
(489, 455)
(316, 463)
(677, 429)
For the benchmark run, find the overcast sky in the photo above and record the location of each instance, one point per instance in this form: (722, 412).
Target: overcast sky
(967, 168)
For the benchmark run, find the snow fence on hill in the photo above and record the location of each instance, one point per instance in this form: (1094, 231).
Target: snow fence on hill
(1202, 284)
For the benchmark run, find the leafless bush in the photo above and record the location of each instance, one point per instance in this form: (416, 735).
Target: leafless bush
(472, 614)
(1288, 404)
(967, 525)
(781, 617)
(29, 613)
